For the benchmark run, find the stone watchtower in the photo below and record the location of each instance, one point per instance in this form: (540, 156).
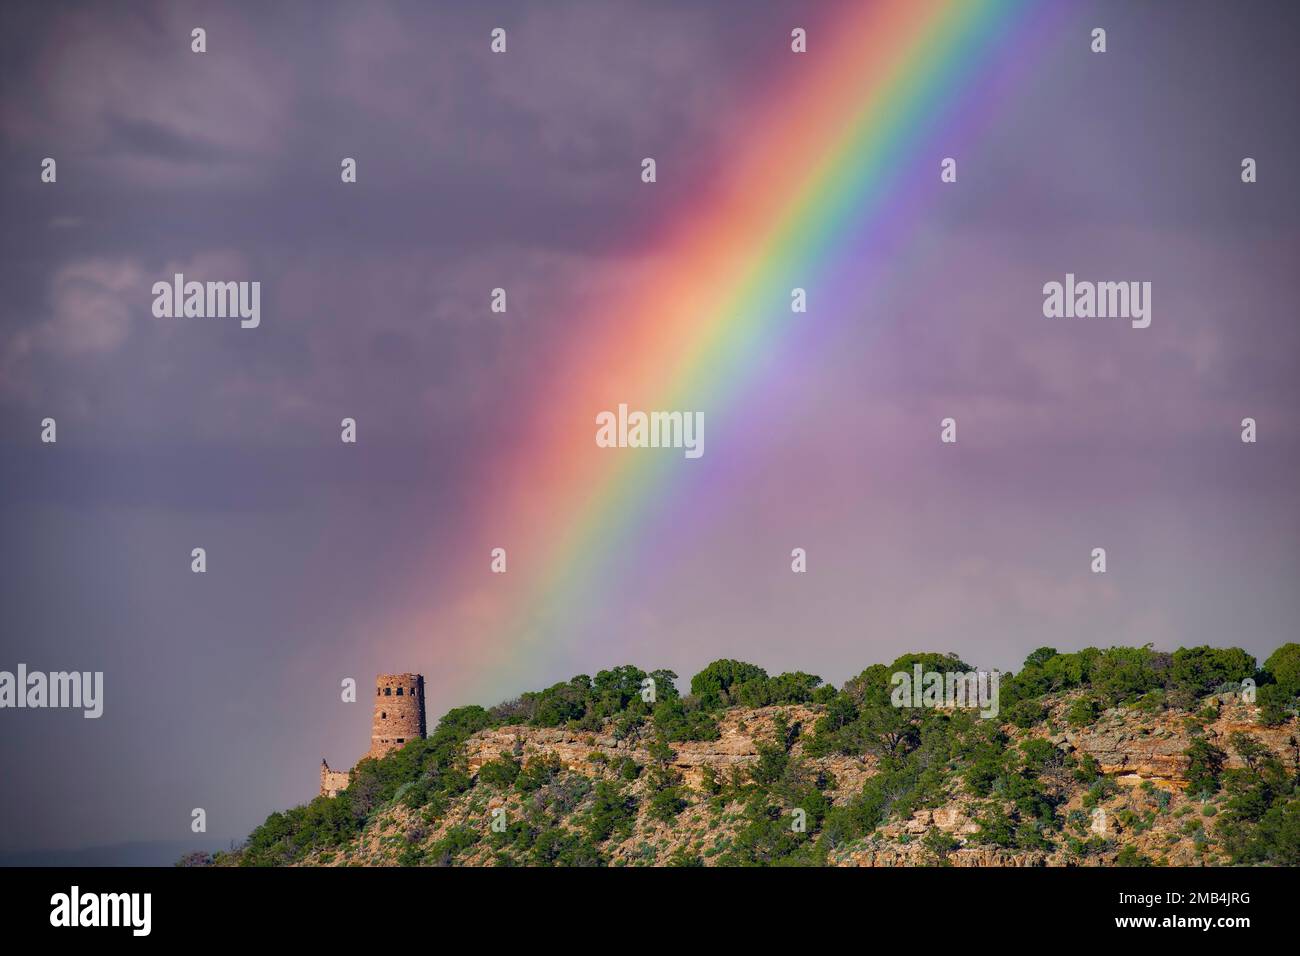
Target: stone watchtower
(399, 712)
(398, 719)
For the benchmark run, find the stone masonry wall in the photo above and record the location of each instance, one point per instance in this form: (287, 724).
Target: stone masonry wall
(399, 712)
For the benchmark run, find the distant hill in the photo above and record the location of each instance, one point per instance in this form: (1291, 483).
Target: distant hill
(141, 853)
(1124, 756)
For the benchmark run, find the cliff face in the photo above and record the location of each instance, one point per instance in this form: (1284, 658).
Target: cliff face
(1134, 750)
(1140, 803)
(736, 749)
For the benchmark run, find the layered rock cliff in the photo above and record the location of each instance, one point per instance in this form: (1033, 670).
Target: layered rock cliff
(1136, 808)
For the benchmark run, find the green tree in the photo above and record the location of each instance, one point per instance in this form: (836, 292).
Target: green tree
(1202, 669)
(713, 683)
(1040, 657)
(1283, 667)
(1122, 674)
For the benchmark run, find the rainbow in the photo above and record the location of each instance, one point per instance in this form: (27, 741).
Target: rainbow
(804, 196)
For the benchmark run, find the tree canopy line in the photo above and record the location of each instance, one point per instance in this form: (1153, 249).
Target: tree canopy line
(570, 818)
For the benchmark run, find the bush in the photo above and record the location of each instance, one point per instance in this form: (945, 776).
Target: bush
(1082, 712)
(796, 688)
(676, 721)
(559, 703)
(709, 784)
(1152, 702)
(1203, 669)
(939, 844)
(984, 771)
(1122, 674)
(766, 840)
(1274, 704)
(1205, 765)
(1040, 754)
(457, 840)
(538, 773)
(771, 764)
(995, 829)
(712, 685)
(558, 847)
(612, 813)
(499, 773)
(1088, 770)
(1129, 856)
(666, 804)
(1102, 788)
(1026, 713)
(1277, 838)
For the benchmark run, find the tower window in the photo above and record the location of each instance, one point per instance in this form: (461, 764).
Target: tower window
(388, 692)
(401, 740)
(382, 715)
(399, 692)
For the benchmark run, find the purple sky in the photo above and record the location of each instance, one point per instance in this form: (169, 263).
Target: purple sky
(478, 171)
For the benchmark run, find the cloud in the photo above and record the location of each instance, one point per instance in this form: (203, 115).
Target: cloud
(89, 316)
(121, 93)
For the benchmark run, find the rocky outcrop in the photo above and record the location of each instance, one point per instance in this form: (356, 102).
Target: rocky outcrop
(573, 749)
(740, 732)
(1134, 747)
(886, 854)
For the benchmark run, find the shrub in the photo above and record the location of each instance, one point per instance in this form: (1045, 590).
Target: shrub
(995, 829)
(1277, 838)
(1203, 669)
(612, 813)
(675, 720)
(709, 783)
(1121, 674)
(1274, 705)
(939, 844)
(1039, 754)
(1205, 765)
(1082, 712)
(538, 773)
(771, 764)
(1152, 702)
(499, 773)
(713, 683)
(666, 804)
(457, 840)
(1088, 770)
(1026, 713)
(1129, 856)
(796, 688)
(558, 847)
(565, 794)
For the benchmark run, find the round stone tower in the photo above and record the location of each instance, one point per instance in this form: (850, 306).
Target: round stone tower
(399, 712)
